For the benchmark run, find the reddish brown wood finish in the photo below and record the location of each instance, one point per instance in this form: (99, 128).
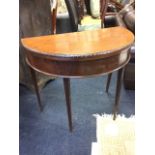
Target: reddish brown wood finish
(81, 54)
(118, 91)
(103, 8)
(77, 69)
(54, 12)
(66, 82)
(98, 42)
(118, 5)
(34, 79)
(108, 82)
(66, 55)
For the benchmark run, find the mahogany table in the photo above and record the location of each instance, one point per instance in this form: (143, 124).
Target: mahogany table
(79, 54)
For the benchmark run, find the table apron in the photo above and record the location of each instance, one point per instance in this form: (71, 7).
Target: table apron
(78, 69)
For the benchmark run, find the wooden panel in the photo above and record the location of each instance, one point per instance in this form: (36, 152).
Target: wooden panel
(78, 69)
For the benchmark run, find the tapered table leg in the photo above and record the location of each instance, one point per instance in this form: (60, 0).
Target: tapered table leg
(34, 80)
(68, 101)
(108, 81)
(118, 91)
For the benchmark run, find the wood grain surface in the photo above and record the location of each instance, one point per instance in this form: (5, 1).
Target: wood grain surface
(106, 41)
(79, 54)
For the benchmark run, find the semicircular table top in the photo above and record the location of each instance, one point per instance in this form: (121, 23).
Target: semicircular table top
(101, 41)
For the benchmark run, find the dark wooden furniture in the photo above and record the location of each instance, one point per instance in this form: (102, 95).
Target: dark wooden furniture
(80, 21)
(67, 56)
(54, 6)
(107, 19)
(118, 5)
(126, 18)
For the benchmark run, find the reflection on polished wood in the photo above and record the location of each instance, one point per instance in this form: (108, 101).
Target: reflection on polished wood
(81, 54)
(80, 43)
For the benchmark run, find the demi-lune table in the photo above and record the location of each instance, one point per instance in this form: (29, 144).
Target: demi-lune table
(79, 54)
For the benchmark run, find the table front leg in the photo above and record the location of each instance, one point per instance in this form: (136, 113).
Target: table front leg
(68, 101)
(118, 91)
(34, 80)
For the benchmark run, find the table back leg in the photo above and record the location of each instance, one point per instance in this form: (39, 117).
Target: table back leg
(68, 101)
(34, 80)
(108, 82)
(118, 91)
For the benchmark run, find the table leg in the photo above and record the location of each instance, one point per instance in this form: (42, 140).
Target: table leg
(34, 80)
(118, 91)
(68, 101)
(108, 81)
